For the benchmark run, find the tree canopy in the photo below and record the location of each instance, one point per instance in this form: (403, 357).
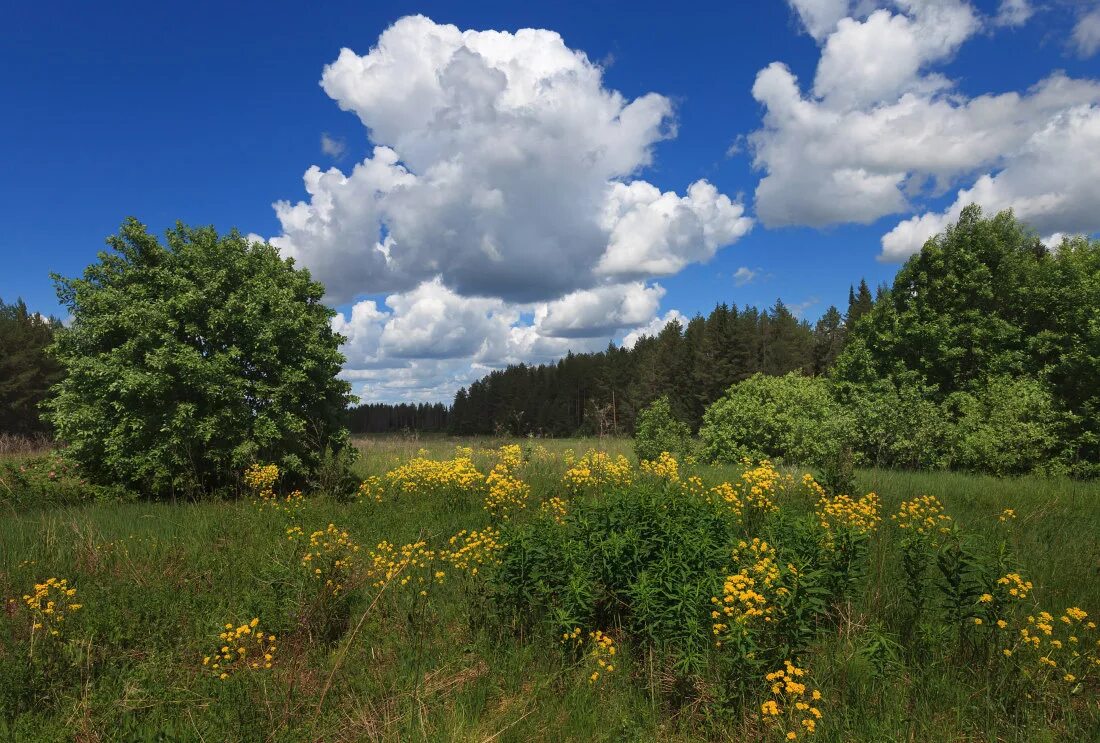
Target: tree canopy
(188, 360)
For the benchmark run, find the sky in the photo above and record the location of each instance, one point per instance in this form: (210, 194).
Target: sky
(485, 183)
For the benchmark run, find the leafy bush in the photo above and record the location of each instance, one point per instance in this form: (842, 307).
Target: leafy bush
(1007, 426)
(896, 423)
(51, 480)
(188, 361)
(660, 563)
(658, 430)
(793, 417)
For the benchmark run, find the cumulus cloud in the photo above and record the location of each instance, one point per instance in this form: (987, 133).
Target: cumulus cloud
(1044, 184)
(881, 130)
(1014, 13)
(1086, 33)
(501, 214)
(503, 166)
(433, 334)
(654, 327)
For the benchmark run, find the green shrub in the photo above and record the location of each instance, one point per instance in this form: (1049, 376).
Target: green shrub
(1008, 426)
(50, 481)
(896, 424)
(658, 430)
(791, 417)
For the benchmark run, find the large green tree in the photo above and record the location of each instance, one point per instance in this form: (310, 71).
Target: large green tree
(190, 359)
(26, 370)
(986, 300)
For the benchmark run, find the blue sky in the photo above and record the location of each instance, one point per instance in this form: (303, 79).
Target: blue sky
(211, 112)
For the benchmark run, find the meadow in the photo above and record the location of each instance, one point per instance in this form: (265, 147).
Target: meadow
(487, 589)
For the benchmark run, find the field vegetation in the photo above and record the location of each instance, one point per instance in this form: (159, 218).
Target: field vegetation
(487, 589)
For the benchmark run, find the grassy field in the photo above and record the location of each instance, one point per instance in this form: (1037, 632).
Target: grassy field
(157, 583)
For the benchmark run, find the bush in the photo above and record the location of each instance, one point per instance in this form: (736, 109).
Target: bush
(188, 361)
(1008, 426)
(793, 417)
(50, 481)
(896, 424)
(658, 430)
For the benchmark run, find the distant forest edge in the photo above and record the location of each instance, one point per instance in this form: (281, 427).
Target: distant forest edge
(589, 393)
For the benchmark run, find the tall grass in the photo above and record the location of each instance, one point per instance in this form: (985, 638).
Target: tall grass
(158, 581)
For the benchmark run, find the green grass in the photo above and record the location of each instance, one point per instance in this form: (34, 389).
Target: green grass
(158, 581)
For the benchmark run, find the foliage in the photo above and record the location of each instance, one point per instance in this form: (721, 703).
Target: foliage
(1007, 427)
(657, 431)
(26, 371)
(188, 360)
(791, 417)
(690, 364)
(51, 480)
(982, 303)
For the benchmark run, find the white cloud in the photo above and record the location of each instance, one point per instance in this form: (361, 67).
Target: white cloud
(600, 311)
(653, 328)
(1086, 33)
(503, 166)
(819, 17)
(1014, 13)
(658, 234)
(744, 275)
(882, 131)
(441, 338)
(334, 147)
(1050, 183)
(501, 213)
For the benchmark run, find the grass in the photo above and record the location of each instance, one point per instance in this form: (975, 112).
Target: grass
(159, 581)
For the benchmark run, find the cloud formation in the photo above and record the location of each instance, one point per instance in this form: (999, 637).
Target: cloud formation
(503, 166)
(881, 131)
(1086, 33)
(501, 211)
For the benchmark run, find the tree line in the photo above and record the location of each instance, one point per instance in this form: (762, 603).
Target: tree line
(691, 365)
(27, 371)
(387, 418)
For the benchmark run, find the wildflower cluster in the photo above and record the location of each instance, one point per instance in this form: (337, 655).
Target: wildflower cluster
(421, 476)
(261, 479)
(470, 551)
(49, 605)
(245, 647)
(556, 508)
(370, 490)
(328, 555)
(596, 469)
(1007, 515)
(601, 651)
(507, 494)
(748, 596)
(1052, 656)
(664, 467)
(760, 484)
(923, 517)
(602, 654)
(1013, 585)
(844, 512)
(793, 705)
(510, 456)
(812, 487)
(412, 562)
(727, 496)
